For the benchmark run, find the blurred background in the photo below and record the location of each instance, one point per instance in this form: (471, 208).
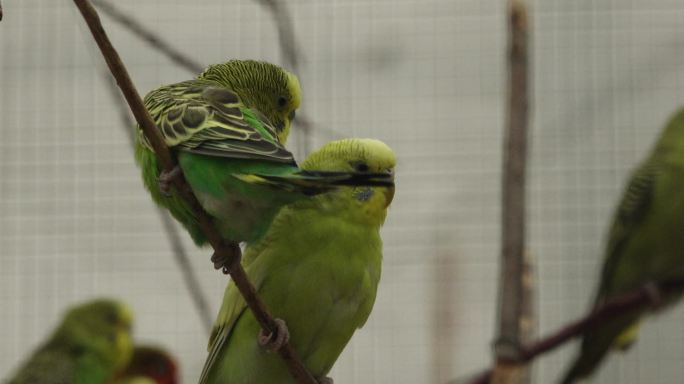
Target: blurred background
(427, 77)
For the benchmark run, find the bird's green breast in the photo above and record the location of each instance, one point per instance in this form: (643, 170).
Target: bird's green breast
(319, 274)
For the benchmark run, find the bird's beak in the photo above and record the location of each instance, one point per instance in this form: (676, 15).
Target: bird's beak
(389, 195)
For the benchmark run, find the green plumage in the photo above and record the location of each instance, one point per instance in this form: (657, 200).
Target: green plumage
(88, 347)
(644, 244)
(317, 268)
(227, 129)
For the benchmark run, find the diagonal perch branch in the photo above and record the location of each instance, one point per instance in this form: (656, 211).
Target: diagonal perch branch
(180, 256)
(641, 298)
(227, 251)
(150, 37)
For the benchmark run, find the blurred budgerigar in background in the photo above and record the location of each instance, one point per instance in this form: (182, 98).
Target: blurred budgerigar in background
(89, 346)
(644, 244)
(228, 128)
(317, 269)
(149, 365)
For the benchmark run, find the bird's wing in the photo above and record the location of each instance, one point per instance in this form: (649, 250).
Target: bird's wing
(202, 116)
(47, 366)
(633, 208)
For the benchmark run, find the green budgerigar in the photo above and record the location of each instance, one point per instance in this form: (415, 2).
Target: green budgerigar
(317, 268)
(149, 365)
(90, 345)
(644, 244)
(227, 128)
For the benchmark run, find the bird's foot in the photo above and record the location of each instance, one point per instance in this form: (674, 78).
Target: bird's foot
(325, 380)
(273, 341)
(226, 257)
(166, 180)
(654, 294)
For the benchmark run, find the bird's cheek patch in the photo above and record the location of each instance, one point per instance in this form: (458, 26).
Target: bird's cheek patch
(363, 194)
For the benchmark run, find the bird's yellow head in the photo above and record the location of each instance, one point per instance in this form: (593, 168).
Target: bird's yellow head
(101, 327)
(357, 155)
(263, 86)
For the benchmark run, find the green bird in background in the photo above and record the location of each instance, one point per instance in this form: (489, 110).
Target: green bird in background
(317, 268)
(149, 365)
(644, 244)
(90, 345)
(227, 128)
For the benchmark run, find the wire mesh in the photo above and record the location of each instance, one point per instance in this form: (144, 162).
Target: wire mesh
(427, 77)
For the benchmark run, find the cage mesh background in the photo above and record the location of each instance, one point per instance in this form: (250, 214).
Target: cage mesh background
(428, 78)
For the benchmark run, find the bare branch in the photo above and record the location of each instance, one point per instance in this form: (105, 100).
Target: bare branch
(187, 271)
(514, 292)
(180, 256)
(230, 252)
(648, 296)
(288, 42)
(150, 37)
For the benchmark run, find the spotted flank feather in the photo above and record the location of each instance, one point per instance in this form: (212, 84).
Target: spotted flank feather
(204, 117)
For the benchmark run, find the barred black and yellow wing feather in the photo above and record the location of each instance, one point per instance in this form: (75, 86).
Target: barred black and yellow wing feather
(202, 116)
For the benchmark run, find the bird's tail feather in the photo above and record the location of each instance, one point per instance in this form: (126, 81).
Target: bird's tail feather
(315, 182)
(596, 345)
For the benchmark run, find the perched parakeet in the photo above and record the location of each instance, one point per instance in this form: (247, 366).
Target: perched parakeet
(644, 244)
(91, 344)
(227, 129)
(317, 268)
(149, 365)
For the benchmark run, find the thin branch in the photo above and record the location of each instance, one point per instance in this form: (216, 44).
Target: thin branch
(180, 256)
(288, 42)
(150, 37)
(187, 271)
(648, 296)
(230, 252)
(514, 293)
(303, 122)
(292, 53)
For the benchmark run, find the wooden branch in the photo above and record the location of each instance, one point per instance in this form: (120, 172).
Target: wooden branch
(514, 307)
(648, 296)
(180, 255)
(225, 251)
(288, 42)
(150, 37)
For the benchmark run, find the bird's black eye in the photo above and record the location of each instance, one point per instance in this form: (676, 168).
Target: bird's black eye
(282, 101)
(360, 167)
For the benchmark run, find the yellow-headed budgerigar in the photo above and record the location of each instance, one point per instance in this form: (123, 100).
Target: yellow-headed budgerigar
(89, 346)
(227, 129)
(317, 268)
(644, 245)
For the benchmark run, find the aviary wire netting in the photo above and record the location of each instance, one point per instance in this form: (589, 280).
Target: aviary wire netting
(427, 77)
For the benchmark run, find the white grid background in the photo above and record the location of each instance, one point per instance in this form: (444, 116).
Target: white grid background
(428, 78)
